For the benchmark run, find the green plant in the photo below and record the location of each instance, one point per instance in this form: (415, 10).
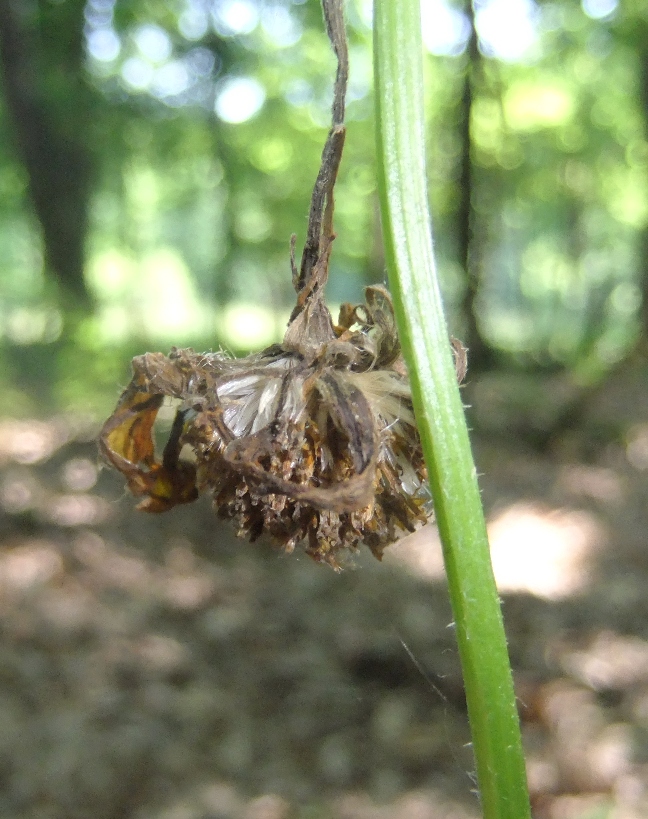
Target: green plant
(439, 412)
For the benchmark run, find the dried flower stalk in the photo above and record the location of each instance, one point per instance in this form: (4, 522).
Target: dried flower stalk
(312, 441)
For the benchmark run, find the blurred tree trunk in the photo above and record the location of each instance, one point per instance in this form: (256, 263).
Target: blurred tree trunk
(643, 62)
(480, 355)
(41, 56)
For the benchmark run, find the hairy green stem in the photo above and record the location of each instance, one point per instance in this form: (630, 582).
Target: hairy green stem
(415, 289)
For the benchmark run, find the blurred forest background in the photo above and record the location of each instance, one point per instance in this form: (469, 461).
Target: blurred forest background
(155, 158)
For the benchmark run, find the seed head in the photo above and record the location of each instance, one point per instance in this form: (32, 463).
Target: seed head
(312, 440)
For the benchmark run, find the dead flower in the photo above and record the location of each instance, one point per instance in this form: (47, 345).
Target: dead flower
(313, 440)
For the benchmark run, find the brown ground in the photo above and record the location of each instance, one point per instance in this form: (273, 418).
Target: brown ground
(153, 666)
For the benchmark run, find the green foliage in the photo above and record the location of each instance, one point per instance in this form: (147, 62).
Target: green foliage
(562, 197)
(202, 208)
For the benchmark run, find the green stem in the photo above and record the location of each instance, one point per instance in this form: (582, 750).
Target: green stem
(437, 403)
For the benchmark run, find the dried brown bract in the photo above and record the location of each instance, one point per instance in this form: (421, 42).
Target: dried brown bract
(312, 440)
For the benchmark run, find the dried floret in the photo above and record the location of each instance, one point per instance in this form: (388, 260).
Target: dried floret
(312, 441)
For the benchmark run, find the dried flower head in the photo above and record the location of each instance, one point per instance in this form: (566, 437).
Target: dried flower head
(312, 441)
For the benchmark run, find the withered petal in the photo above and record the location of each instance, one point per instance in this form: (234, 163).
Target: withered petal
(126, 439)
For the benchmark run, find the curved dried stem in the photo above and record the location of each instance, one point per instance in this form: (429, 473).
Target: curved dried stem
(320, 219)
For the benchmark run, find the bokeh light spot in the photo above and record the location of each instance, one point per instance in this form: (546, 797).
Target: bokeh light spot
(239, 99)
(104, 45)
